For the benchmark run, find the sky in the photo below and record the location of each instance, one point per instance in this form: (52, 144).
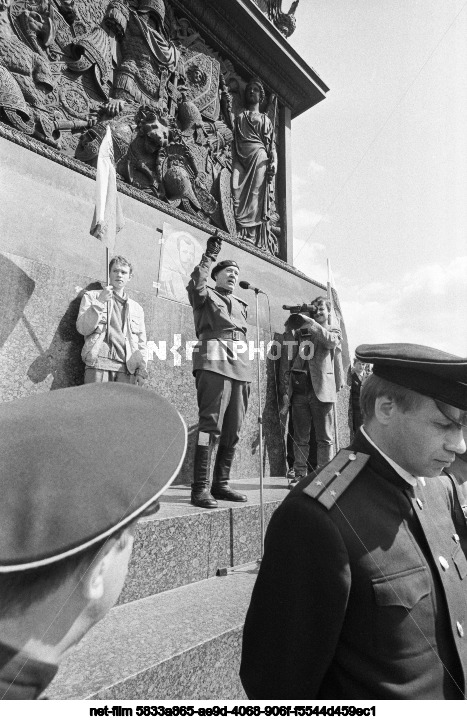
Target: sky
(379, 168)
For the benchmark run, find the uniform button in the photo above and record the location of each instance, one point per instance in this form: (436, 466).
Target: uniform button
(443, 563)
(460, 629)
(420, 503)
(456, 538)
(352, 457)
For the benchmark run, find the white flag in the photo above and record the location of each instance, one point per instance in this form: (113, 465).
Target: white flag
(331, 284)
(108, 218)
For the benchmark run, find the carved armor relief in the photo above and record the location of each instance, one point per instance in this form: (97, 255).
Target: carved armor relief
(68, 68)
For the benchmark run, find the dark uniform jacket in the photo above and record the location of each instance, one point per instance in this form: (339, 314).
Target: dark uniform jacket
(364, 600)
(22, 678)
(220, 324)
(356, 386)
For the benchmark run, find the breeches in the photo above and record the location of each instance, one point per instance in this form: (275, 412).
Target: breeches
(222, 404)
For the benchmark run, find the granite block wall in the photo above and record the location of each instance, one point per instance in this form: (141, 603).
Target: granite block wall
(48, 259)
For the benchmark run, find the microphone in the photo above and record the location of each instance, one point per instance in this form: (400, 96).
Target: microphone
(247, 286)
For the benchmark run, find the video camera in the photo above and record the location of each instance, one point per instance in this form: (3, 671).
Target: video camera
(308, 308)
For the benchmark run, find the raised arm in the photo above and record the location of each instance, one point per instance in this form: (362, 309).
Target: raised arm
(197, 287)
(92, 312)
(330, 338)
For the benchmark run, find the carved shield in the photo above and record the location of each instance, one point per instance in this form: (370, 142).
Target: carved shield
(202, 77)
(226, 201)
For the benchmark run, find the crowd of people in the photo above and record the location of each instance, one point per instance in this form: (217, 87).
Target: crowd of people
(362, 590)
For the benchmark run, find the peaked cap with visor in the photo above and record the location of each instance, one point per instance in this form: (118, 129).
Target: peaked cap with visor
(78, 464)
(428, 371)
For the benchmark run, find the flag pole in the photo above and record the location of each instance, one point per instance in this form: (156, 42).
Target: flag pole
(107, 283)
(108, 218)
(331, 309)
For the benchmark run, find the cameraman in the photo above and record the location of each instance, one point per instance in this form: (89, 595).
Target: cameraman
(307, 380)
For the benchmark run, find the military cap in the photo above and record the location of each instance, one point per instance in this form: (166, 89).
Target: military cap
(426, 370)
(220, 266)
(80, 463)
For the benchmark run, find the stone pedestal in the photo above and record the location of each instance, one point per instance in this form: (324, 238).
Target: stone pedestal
(48, 259)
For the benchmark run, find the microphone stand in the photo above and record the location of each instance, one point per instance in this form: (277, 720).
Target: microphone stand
(260, 427)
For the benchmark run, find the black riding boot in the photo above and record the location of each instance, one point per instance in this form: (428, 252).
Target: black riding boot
(220, 486)
(200, 495)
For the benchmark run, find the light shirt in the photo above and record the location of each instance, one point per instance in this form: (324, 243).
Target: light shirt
(408, 477)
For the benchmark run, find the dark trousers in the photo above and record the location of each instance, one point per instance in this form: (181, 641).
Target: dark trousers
(222, 404)
(312, 455)
(308, 410)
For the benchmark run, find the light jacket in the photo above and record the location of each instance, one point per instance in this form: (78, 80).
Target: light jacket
(92, 323)
(319, 364)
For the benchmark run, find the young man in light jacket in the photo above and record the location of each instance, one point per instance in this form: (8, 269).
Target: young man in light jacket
(115, 338)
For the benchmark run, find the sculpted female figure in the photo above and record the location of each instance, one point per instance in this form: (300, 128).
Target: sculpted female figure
(254, 163)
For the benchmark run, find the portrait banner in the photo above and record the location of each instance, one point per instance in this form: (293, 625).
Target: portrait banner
(180, 252)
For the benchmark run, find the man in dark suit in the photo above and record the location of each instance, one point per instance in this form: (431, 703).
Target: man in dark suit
(357, 377)
(362, 590)
(222, 371)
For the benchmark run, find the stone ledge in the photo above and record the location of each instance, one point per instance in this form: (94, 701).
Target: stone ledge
(183, 544)
(182, 644)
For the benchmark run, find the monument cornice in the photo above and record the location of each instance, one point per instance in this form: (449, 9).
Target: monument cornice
(15, 136)
(240, 30)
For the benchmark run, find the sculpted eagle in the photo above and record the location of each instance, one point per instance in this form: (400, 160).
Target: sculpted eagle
(285, 22)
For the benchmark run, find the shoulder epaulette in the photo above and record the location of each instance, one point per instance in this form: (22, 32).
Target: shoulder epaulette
(336, 477)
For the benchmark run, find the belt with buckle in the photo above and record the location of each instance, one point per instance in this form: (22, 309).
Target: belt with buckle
(222, 335)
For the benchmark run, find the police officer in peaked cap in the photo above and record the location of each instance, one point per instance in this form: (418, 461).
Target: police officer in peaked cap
(222, 371)
(362, 591)
(78, 467)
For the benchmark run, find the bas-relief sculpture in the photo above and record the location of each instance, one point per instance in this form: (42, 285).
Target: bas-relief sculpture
(254, 167)
(185, 125)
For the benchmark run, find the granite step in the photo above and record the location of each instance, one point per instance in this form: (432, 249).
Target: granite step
(181, 644)
(183, 544)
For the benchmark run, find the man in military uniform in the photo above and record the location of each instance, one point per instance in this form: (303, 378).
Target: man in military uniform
(222, 371)
(362, 591)
(77, 468)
